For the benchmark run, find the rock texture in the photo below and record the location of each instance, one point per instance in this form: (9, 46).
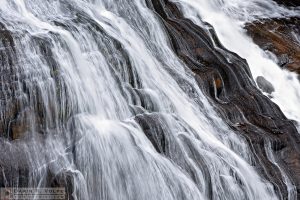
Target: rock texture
(230, 87)
(265, 85)
(281, 36)
(8, 95)
(22, 106)
(289, 2)
(227, 83)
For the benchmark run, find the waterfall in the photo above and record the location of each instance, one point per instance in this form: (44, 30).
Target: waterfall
(228, 18)
(113, 113)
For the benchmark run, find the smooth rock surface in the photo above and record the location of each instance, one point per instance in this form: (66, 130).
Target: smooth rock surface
(265, 85)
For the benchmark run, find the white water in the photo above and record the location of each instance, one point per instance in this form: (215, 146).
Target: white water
(228, 18)
(100, 87)
(292, 190)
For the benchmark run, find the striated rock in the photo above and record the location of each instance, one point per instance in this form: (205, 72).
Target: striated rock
(22, 96)
(265, 85)
(223, 76)
(230, 87)
(10, 100)
(281, 36)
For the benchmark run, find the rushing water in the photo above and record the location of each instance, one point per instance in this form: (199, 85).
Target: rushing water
(104, 77)
(228, 18)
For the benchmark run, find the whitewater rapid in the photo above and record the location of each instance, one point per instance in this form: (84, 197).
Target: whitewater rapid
(95, 69)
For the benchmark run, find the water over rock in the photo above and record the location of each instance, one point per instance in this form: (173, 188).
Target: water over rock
(239, 101)
(281, 36)
(57, 139)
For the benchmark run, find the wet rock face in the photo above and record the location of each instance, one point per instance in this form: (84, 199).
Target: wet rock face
(265, 85)
(9, 93)
(288, 2)
(223, 76)
(18, 171)
(229, 85)
(22, 100)
(281, 37)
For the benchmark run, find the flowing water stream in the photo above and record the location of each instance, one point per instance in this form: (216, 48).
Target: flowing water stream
(228, 18)
(92, 74)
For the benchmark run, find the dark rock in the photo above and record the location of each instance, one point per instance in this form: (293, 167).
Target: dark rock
(21, 98)
(288, 2)
(265, 85)
(231, 88)
(283, 60)
(18, 170)
(153, 127)
(167, 143)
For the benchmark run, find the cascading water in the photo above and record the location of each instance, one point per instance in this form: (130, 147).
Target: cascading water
(228, 18)
(114, 113)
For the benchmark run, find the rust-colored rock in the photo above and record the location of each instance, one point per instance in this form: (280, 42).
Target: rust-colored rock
(281, 37)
